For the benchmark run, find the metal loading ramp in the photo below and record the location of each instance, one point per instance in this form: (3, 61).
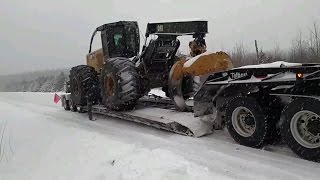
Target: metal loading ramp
(167, 119)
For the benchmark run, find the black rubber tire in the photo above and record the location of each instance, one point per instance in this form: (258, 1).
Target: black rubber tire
(274, 106)
(125, 84)
(310, 104)
(82, 78)
(66, 104)
(262, 131)
(73, 107)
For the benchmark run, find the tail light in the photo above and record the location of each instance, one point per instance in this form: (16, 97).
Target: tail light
(299, 75)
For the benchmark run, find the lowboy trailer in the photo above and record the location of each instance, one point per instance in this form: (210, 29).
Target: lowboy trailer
(257, 104)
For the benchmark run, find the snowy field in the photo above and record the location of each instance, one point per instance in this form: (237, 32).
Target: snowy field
(41, 141)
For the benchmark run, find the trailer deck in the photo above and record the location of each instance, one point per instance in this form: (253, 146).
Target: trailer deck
(158, 113)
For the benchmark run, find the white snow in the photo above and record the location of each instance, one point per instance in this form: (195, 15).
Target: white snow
(178, 20)
(180, 102)
(194, 59)
(157, 92)
(42, 141)
(276, 64)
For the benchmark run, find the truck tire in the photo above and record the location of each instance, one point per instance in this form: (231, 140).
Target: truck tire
(82, 78)
(247, 121)
(120, 84)
(300, 127)
(274, 106)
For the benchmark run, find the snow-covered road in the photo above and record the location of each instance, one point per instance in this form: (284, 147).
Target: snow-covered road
(42, 141)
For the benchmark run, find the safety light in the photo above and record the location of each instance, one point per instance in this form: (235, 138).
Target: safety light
(299, 75)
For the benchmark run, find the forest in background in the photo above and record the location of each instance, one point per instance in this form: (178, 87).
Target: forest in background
(305, 48)
(38, 81)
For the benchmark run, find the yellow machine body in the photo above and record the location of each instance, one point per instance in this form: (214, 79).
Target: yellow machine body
(95, 60)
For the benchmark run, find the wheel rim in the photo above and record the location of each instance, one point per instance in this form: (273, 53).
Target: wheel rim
(305, 129)
(109, 85)
(243, 121)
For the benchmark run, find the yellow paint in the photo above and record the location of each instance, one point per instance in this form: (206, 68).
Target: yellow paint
(205, 64)
(95, 60)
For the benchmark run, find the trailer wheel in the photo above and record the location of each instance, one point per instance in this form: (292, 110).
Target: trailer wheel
(120, 84)
(73, 106)
(247, 122)
(274, 107)
(66, 104)
(300, 127)
(83, 78)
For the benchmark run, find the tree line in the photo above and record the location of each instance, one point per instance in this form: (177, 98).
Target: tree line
(43, 83)
(305, 48)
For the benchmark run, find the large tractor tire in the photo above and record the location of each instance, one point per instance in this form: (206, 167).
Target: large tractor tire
(82, 79)
(247, 121)
(300, 127)
(120, 84)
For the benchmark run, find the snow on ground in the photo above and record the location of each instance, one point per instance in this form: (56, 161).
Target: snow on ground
(42, 141)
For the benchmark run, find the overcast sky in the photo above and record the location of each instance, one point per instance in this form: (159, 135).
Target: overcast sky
(43, 34)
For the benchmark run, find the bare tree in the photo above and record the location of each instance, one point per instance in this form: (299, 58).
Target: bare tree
(278, 54)
(306, 50)
(241, 56)
(237, 54)
(314, 43)
(298, 52)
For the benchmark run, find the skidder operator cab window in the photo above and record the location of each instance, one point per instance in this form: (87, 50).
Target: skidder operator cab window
(119, 39)
(117, 45)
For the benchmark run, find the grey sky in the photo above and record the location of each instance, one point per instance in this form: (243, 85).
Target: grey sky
(43, 34)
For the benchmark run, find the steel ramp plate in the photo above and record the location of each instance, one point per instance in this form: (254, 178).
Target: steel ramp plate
(166, 119)
(197, 126)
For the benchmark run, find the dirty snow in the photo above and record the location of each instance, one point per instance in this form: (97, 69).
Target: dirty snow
(42, 141)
